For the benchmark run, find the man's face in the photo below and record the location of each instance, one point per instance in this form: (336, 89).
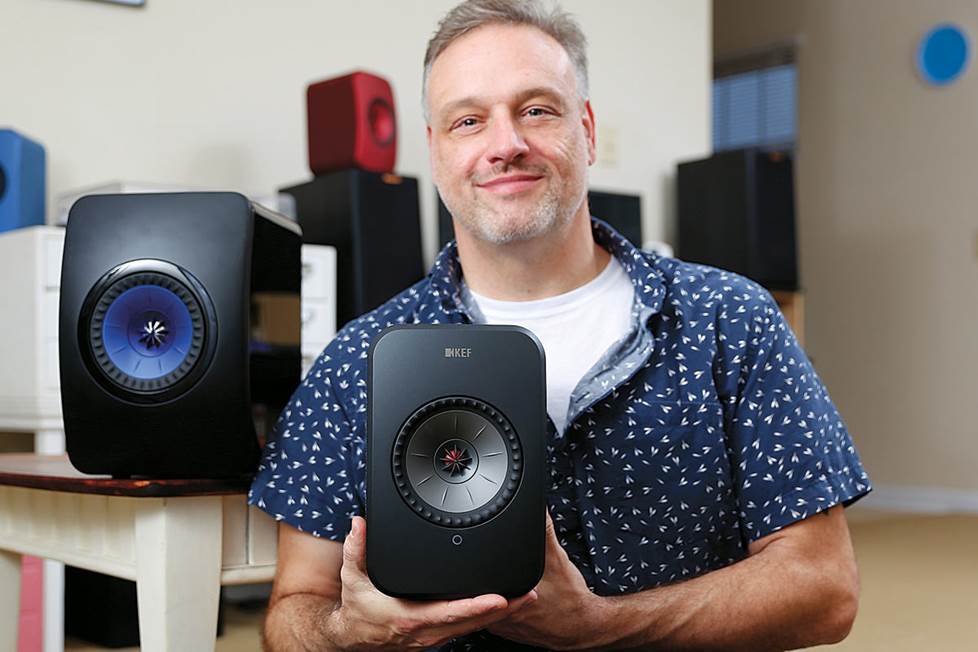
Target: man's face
(510, 137)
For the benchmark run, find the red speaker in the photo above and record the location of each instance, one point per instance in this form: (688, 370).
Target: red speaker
(351, 124)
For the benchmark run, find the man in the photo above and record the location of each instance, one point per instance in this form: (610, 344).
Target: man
(691, 444)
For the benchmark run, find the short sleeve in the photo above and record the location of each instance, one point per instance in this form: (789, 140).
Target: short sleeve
(311, 464)
(791, 453)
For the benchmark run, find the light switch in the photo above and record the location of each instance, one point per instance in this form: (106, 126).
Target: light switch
(607, 145)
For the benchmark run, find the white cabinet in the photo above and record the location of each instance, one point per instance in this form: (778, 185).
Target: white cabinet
(30, 275)
(318, 301)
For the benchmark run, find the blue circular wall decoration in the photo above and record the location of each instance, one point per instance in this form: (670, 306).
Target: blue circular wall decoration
(943, 54)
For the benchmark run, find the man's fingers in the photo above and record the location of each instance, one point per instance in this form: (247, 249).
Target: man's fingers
(354, 547)
(447, 612)
(466, 618)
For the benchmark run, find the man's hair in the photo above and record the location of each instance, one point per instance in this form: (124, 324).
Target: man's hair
(472, 14)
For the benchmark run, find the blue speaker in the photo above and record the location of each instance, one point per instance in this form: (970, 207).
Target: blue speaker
(22, 187)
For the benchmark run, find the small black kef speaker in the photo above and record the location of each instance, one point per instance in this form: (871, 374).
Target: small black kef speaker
(455, 453)
(179, 316)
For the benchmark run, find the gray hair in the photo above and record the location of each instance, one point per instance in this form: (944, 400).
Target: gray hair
(469, 15)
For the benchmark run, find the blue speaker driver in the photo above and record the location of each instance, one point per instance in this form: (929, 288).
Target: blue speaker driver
(148, 329)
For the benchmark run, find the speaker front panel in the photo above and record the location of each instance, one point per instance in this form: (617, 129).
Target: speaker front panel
(455, 461)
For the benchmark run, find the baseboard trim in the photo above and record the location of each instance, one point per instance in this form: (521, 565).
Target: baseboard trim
(921, 500)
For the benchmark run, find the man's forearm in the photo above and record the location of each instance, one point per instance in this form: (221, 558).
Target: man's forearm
(300, 622)
(765, 602)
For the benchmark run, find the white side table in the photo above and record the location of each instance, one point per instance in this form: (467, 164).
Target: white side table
(49, 439)
(179, 540)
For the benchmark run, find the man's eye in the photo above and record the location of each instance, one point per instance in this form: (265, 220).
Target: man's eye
(465, 123)
(536, 112)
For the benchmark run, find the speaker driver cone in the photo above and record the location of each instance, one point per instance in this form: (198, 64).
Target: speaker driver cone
(145, 328)
(380, 117)
(457, 461)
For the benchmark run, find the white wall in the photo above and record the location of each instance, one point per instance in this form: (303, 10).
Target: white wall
(211, 92)
(888, 231)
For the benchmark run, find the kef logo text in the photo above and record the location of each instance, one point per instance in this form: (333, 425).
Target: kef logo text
(451, 352)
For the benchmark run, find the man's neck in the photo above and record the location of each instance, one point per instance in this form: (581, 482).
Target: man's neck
(533, 269)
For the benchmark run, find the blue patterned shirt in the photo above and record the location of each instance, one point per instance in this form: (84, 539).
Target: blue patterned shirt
(704, 429)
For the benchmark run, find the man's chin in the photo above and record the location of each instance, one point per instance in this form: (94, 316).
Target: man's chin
(514, 231)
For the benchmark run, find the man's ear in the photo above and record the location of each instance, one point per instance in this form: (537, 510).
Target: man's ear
(431, 155)
(588, 121)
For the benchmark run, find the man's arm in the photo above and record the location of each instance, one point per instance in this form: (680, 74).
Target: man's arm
(323, 600)
(799, 587)
(306, 590)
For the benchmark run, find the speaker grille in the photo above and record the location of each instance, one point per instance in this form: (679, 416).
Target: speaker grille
(457, 461)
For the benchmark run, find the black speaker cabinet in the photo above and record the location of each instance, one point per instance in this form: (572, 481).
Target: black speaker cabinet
(374, 222)
(179, 320)
(737, 212)
(455, 453)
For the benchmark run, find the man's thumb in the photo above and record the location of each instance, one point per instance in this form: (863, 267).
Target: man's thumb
(354, 547)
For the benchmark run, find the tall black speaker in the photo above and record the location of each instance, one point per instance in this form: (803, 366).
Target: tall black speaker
(374, 222)
(179, 316)
(622, 212)
(737, 212)
(455, 459)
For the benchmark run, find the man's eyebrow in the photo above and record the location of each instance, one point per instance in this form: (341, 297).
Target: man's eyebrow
(548, 92)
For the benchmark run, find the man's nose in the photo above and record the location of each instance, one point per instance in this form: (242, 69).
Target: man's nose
(506, 143)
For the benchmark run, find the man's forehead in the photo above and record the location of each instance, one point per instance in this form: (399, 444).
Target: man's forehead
(499, 59)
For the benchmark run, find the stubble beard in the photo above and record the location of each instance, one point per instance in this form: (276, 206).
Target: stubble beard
(512, 221)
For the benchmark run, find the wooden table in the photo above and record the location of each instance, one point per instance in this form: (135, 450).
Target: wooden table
(179, 540)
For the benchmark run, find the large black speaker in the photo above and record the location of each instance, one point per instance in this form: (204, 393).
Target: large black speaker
(179, 321)
(622, 212)
(374, 222)
(455, 460)
(737, 212)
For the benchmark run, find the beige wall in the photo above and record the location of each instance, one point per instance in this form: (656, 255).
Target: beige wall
(211, 92)
(888, 221)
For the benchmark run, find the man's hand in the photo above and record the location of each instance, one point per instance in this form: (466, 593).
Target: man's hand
(566, 615)
(367, 619)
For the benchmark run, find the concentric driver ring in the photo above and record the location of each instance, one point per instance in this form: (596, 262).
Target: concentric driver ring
(145, 327)
(457, 461)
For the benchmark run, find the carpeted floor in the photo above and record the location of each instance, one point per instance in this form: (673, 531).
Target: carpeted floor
(919, 583)
(919, 588)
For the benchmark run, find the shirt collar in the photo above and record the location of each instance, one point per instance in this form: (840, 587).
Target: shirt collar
(444, 296)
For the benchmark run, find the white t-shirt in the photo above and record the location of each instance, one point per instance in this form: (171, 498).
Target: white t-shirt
(576, 328)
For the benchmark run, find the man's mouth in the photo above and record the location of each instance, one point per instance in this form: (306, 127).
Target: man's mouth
(510, 184)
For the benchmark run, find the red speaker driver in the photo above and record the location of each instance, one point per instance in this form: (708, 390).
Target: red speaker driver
(352, 124)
